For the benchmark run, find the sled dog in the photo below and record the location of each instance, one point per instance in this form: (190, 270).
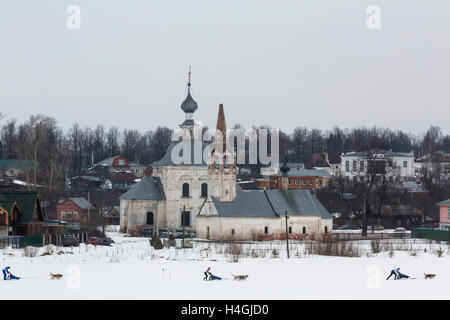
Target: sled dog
(55, 276)
(240, 277)
(429, 275)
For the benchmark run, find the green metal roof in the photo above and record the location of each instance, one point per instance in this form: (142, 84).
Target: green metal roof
(149, 188)
(27, 202)
(296, 202)
(194, 145)
(18, 164)
(7, 205)
(246, 204)
(271, 204)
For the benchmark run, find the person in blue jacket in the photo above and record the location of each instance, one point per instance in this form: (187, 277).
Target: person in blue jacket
(395, 273)
(8, 275)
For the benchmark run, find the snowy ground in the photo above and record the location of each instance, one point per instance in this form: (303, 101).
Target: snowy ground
(131, 269)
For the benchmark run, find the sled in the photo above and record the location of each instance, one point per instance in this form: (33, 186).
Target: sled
(213, 277)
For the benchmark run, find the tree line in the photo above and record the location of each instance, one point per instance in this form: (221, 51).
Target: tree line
(56, 152)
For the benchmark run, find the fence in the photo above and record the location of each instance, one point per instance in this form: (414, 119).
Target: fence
(371, 236)
(9, 242)
(38, 241)
(440, 235)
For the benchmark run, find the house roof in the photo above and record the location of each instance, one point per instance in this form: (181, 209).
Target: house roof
(445, 202)
(308, 173)
(27, 202)
(373, 152)
(123, 177)
(82, 203)
(149, 188)
(296, 202)
(193, 145)
(18, 164)
(271, 204)
(7, 205)
(89, 178)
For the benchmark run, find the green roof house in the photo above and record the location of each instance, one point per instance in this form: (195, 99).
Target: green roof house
(24, 212)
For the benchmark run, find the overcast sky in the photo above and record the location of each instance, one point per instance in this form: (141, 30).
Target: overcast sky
(287, 63)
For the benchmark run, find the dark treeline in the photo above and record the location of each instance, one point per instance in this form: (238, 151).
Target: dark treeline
(57, 152)
(304, 142)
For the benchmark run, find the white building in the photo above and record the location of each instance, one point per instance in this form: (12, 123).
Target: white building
(397, 164)
(199, 196)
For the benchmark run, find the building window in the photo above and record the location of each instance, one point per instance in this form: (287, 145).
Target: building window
(361, 166)
(185, 219)
(266, 230)
(319, 182)
(289, 182)
(297, 182)
(232, 232)
(326, 229)
(354, 166)
(405, 164)
(204, 190)
(75, 215)
(207, 232)
(347, 166)
(448, 213)
(185, 189)
(150, 218)
(290, 230)
(310, 182)
(304, 230)
(303, 182)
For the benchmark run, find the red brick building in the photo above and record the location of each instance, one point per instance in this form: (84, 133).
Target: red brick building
(73, 209)
(298, 179)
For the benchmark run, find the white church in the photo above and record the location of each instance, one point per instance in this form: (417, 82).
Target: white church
(203, 197)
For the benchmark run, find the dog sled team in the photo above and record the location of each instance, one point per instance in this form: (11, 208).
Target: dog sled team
(398, 275)
(7, 275)
(209, 276)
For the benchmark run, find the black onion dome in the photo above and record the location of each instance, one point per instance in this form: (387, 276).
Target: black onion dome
(189, 104)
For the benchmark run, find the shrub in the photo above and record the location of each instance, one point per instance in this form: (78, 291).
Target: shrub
(30, 252)
(376, 246)
(275, 253)
(172, 241)
(156, 242)
(136, 231)
(234, 251)
(439, 252)
(391, 253)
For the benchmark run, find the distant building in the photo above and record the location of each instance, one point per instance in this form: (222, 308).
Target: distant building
(12, 168)
(298, 179)
(440, 157)
(84, 183)
(118, 165)
(74, 210)
(21, 214)
(398, 165)
(444, 214)
(256, 214)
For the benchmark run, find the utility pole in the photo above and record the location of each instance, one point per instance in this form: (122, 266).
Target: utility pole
(183, 216)
(89, 210)
(287, 235)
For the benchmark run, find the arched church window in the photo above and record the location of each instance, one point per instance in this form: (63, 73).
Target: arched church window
(204, 190)
(149, 218)
(185, 189)
(185, 218)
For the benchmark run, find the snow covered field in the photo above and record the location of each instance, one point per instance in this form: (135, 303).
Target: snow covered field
(131, 269)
